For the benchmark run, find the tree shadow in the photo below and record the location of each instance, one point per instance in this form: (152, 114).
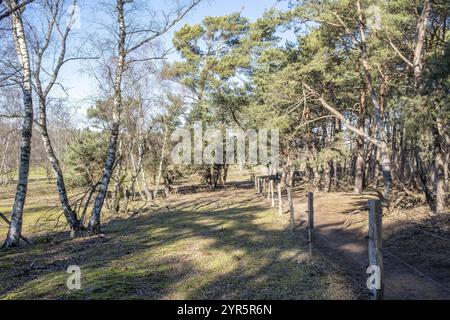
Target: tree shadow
(238, 252)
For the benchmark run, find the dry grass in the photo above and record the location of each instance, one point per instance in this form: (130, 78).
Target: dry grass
(216, 245)
(224, 244)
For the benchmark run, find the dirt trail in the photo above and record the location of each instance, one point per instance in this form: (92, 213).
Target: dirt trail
(341, 229)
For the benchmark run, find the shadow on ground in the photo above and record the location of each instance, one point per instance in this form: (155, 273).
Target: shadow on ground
(226, 244)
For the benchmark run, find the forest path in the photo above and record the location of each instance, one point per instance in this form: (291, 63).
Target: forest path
(341, 221)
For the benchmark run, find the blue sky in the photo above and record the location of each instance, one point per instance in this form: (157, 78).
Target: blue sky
(81, 87)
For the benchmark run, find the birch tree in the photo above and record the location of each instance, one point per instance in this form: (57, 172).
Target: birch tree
(130, 38)
(22, 51)
(45, 79)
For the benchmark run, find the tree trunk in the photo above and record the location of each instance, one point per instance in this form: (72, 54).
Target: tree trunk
(336, 175)
(134, 177)
(360, 161)
(328, 167)
(141, 169)
(420, 40)
(359, 166)
(380, 132)
(423, 181)
(447, 158)
(161, 160)
(376, 174)
(15, 228)
(94, 220)
(439, 171)
(148, 193)
(317, 177)
(70, 215)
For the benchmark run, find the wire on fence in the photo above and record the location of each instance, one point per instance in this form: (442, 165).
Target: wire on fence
(363, 265)
(388, 253)
(356, 283)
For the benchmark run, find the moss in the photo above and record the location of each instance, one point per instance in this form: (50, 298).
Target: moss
(226, 245)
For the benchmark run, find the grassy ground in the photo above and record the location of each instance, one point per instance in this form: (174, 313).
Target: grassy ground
(224, 244)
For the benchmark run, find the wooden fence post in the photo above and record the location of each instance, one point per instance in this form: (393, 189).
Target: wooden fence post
(291, 207)
(280, 200)
(272, 193)
(311, 216)
(264, 185)
(256, 184)
(375, 282)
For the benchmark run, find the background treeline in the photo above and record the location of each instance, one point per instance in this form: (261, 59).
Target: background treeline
(360, 92)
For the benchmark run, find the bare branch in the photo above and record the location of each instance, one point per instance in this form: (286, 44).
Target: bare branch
(14, 9)
(157, 33)
(341, 117)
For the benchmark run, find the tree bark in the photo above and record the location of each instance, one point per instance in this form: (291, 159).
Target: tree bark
(360, 161)
(69, 214)
(328, 167)
(423, 181)
(380, 132)
(439, 171)
(359, 166)
(161, 160)
(15, 228)
(94, 220)
(420, 40)
(447, 157)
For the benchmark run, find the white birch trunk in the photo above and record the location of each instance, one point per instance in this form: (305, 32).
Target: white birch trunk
(94, 220)
(163, 151)
(15, 228)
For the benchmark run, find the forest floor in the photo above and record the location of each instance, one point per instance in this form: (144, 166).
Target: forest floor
(226, 244)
